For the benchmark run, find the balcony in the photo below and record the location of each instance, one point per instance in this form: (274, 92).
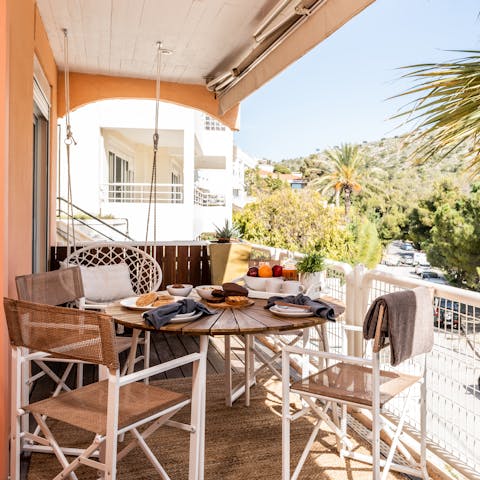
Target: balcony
(140, 193)
(453, 391)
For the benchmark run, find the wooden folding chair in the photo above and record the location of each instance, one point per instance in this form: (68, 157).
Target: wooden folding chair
(115, 406)
(353, 382)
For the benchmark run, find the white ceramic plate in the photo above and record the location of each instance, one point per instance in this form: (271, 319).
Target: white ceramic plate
(130, 303)
(290, 312)
(186, 317)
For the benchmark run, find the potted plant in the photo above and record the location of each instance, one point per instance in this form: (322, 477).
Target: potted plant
(310, 269)
(228, 256)
(226, 233)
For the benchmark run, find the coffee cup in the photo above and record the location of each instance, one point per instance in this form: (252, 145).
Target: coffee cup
(292, 287)
(255, 283)
(273, 285)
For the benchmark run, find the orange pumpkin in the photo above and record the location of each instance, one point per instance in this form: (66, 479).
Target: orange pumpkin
(265, 271)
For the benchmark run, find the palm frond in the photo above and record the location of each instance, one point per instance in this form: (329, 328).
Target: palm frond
(446, 110)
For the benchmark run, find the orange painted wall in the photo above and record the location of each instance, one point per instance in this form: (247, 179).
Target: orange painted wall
(4, 348)
(21, 36)
(85, 88)
(20, 174)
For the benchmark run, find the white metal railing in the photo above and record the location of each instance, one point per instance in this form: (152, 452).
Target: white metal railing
(205, 198)
(140, 192)
(453, 390)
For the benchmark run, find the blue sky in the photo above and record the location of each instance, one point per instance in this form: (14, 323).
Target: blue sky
(338, 92)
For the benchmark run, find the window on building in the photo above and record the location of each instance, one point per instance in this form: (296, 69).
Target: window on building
(119, 172)
(176, 192)
(212, 124)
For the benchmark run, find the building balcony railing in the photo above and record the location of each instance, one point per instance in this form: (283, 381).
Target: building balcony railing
(205, 198)
(140, 193)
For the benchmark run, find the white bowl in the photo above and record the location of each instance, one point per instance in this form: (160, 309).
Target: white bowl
(205, 291)
(255, 283)
(184, 291)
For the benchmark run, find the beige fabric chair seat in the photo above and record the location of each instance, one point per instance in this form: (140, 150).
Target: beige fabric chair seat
(86, 407)
(353, 383)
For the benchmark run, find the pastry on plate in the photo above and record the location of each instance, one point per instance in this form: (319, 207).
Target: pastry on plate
(146, 299)
(237, 300)
(162, 299)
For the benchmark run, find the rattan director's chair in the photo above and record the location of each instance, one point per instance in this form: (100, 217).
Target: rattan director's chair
(360, 383)
(115, 406)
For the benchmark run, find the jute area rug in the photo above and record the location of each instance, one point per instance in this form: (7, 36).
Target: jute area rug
(241, 443)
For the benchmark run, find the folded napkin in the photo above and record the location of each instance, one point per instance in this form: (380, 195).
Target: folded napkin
(319, 308)
(160, 316)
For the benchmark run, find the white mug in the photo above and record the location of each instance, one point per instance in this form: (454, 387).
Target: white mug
(255, 283)
(273, 284)
(292, 287)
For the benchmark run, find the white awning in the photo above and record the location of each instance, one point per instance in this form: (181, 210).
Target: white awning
(308, 31)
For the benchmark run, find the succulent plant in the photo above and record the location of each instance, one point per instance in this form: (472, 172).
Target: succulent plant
(227, 232)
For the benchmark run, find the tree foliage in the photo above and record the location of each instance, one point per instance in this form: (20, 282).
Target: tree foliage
(447, 226)
(302, 221)
(256, 184)
(341, 173)
(297, 221)
(446, 110)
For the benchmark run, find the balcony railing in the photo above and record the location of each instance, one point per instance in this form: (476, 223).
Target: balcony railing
(205, 198)
(140, 192)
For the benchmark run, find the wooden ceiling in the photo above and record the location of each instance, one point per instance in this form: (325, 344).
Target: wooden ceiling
(209, 39)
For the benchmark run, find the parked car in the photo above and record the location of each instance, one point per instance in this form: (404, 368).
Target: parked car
(432, 276)
(391, 260)
(406, 259)
(446, 313)
(407, 246)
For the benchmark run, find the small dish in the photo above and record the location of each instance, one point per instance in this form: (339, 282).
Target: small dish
(181, 291)
(290, 312)
(205, 291)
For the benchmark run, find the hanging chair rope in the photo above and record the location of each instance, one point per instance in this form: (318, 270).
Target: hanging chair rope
(69, 141)
(153, 180)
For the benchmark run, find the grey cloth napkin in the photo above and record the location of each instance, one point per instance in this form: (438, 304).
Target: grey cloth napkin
(319, 308)
(160, 316)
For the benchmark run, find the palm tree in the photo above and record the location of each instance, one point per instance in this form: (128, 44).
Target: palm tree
(341, 171)
(447, 113)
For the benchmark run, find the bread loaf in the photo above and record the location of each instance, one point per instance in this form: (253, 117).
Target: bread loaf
(146, 299)
(234, 290)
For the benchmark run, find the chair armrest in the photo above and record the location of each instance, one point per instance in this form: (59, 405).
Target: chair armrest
(328, 355)
(163, 367)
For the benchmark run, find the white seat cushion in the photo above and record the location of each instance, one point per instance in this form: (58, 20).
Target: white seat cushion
(105, 283)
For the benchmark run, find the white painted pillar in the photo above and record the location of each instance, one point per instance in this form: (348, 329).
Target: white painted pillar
(188, 169)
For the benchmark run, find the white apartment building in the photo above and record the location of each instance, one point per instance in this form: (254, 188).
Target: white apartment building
(111, 167)
(241, 162)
